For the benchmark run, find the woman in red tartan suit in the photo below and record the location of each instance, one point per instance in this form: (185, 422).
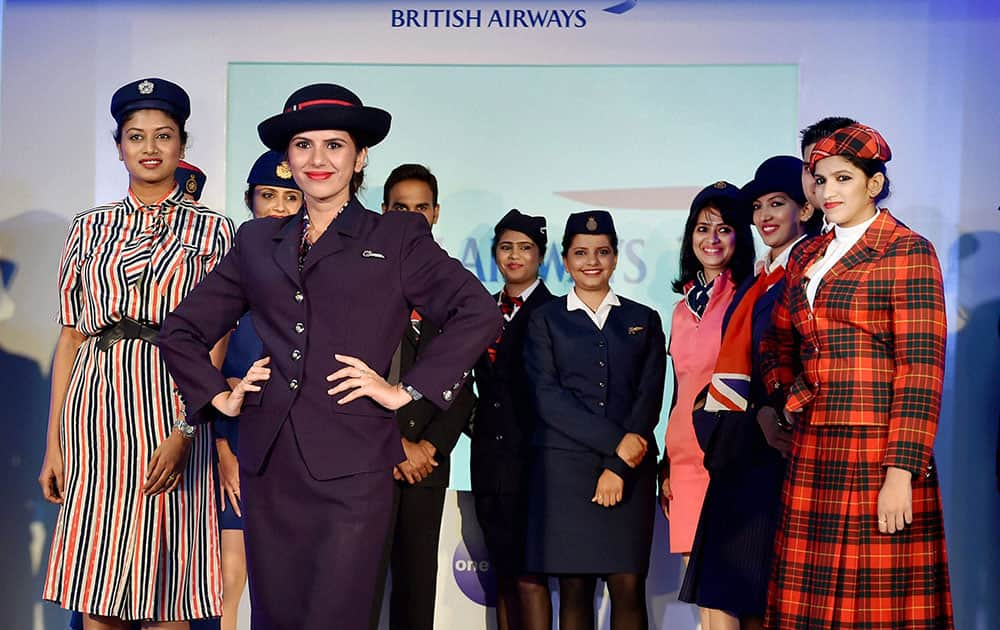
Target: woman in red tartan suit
(861, 537)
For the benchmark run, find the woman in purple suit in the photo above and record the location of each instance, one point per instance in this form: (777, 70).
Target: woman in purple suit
(330, 291)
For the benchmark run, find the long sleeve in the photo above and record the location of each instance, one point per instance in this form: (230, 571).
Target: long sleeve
(557, 407)
(645, 413)
(207, 313)
(439, 288)
(777, 351)
(919, 328)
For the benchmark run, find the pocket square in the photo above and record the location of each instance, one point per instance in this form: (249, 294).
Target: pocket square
(370, 254)
(635, 330)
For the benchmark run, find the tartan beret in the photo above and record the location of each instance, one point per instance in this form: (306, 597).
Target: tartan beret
(855, 140)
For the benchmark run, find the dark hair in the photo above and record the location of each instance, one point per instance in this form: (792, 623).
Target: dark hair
(568, 240)
(870, 168)
(357, 179)
(541, 252)
(177, 121)
(822, 129)
(404, 172)
(740, 265)
(814, 225)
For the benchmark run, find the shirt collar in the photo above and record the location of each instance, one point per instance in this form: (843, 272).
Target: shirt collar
(782, 258)
(573, 302)
(526, 293)
(853, 233)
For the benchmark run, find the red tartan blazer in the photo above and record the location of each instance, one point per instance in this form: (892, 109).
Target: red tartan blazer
(871, 350)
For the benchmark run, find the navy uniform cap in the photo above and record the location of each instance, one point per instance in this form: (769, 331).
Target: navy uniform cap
(151, 93)
(271, 169)
(589, 222)
(533, 227)
(190, 178)
(781, 173)
(721, 191)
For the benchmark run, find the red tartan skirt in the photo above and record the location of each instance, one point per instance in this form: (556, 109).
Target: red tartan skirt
(833, 569)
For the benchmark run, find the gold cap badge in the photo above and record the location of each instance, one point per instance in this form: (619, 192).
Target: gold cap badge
(282, 170)
(720, 185)
(591, 224)
(191, 185)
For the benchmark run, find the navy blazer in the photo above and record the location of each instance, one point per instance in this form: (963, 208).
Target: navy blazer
(591, 385)
(354, 295)
(506, 418)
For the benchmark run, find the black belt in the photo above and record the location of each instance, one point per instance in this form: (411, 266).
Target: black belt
(126, 328)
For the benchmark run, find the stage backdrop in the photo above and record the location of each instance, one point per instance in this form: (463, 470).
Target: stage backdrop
(921, 71)
(549, 140)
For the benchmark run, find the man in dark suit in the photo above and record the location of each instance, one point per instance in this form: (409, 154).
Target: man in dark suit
(330, 290)
(428, 436)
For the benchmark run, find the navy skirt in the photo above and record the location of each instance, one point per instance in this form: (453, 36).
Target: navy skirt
(567, 534)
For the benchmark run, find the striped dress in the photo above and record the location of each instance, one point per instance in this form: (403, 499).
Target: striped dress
(115, 551)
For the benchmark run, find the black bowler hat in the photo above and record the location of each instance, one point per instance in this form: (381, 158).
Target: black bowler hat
(271, 169)
(151, 93)
(589, 222)
(721, 193)
(781, 173)
(325, 106)
(190, 178)
(533, 227)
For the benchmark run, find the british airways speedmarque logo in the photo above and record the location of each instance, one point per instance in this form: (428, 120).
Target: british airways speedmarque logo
(507, 18)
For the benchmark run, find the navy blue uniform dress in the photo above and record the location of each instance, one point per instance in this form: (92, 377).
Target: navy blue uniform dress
(734, 544)
(592, 386)
(501, 441)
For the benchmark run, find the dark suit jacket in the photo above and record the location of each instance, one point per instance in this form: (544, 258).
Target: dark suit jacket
(592, 386)
(422, 420)
(506, 418)
(354, 295)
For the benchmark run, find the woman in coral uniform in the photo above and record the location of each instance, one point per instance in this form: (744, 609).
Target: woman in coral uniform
(716, 255)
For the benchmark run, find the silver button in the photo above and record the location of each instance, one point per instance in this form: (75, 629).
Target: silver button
(296, 354)
(293, 384)
(300, 327)
(809, 316)
(299, 297)
(496, 405)
(412, 423)
(499, 437)
(600, 404)
(601, 385)
(446, 395)
(601, 363)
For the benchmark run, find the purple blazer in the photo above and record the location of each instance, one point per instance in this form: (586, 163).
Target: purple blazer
(354, 295)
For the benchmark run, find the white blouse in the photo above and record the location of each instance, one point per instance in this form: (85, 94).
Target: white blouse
(843, 240)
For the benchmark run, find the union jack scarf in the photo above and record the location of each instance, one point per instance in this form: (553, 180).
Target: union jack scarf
(730, 386)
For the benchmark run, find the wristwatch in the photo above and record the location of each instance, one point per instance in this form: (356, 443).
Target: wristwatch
(414, 394)
(186, 429)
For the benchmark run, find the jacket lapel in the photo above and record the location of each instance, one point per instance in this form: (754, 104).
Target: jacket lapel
(346, 224)
(513, 335)
(286, 247)
(868, 246)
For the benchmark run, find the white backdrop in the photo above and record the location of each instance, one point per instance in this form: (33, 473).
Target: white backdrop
(923, 72)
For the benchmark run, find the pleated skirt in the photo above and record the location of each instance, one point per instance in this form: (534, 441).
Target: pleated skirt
(833, 569)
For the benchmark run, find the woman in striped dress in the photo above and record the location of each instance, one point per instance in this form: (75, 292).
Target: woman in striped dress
(855, 362)
(137, 533)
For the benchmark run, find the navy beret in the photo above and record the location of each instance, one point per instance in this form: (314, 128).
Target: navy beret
(781, 173)
(589, 222)
(271, 169)
(533, 227)
(151, 93)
